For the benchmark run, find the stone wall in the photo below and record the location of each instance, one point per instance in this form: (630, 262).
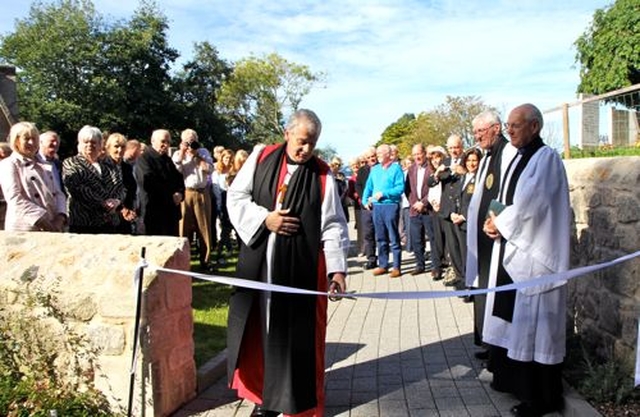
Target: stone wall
(604, 306)
(91, 278)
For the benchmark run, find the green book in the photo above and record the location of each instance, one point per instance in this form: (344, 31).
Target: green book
(496, 207)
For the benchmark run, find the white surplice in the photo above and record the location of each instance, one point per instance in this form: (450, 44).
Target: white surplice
(537, 229)
(471, 269)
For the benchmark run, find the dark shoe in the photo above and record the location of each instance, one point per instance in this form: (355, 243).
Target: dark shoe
(379, 271)
(467, 298)
(525, 410)
(483, 355)
(395, 273)
(370, 265)
(436, 275)
(417, 272)
(261, 412)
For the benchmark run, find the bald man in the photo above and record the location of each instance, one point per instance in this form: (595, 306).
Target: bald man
(525, 329)
(160, 187)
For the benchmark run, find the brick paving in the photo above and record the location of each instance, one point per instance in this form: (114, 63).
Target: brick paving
(400, 358)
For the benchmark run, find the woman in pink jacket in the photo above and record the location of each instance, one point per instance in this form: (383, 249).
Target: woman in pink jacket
(34, 199)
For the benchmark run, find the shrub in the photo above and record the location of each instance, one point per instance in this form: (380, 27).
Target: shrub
(44, 364)
(598, 380)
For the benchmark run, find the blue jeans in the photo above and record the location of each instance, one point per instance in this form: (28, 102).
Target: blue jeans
(422, 229)
(385, 220)
(406, 228)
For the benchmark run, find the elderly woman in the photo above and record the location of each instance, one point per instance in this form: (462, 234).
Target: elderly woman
(95, 191)
(122, 173)
(34, 199)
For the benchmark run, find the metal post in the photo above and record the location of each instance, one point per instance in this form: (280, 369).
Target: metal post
(136, 334)
(565, 131)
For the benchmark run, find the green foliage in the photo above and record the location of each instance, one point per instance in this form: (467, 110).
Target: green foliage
(608, 52)
(260, 91)
(197, 89)
(44, 364)
(598, 380)
(136, 63)
(604, 151)
(56, 51)
(399, 130)
(74, 69)
(435, 126)
(210, 308)
(455, 116)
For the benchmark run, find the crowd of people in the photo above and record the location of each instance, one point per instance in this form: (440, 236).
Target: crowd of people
(417, 204)
(119, 185)
(453, 199)
(494, 214)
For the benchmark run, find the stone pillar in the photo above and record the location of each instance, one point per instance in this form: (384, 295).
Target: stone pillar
(589, 133)
(92, 278)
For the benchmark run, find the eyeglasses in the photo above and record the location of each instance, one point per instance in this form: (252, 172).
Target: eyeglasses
(513, 125)
(483, 130)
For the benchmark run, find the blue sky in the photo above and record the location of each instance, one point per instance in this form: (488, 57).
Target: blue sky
(384, 58)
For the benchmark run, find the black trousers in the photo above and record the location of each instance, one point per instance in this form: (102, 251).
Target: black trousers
(369, 235)
(453, 239)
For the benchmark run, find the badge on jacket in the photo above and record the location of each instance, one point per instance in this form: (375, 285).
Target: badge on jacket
(489, 181)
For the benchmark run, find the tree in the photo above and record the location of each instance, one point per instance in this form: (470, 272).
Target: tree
(398, 130)
(424, 131)
(74, 70)
(197, 89)
(608, 52)
(455, 115)
(138, 59)
(260, 91)
(435, 126)
(56, 52)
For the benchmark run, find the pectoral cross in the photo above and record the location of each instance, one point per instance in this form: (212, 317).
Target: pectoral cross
(281, 192)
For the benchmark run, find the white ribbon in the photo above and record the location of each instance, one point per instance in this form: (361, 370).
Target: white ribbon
(405, 295)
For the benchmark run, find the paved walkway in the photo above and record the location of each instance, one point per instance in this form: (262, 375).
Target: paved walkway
(395, 358)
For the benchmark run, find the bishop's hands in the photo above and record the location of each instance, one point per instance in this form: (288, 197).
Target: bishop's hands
(279, 222)
(337, 285)
(490, 228)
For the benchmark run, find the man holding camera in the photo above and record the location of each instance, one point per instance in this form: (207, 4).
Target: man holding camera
(195, 164)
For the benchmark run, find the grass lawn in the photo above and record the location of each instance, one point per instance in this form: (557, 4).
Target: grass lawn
(210, 307)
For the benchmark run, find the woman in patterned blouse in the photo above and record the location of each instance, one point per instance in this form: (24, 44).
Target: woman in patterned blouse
(95, 189)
